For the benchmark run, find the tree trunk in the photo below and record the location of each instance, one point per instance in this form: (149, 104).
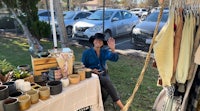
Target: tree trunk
(27, 34)
(60, 20)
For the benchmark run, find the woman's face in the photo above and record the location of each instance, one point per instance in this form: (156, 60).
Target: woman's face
(98, 43)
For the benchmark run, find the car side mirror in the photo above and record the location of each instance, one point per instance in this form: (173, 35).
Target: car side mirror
(115, 19)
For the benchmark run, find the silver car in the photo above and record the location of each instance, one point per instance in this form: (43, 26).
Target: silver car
(117, 22)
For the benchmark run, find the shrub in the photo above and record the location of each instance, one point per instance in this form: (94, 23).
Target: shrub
(5, 67)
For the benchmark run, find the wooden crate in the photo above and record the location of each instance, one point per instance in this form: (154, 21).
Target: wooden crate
(40, 65)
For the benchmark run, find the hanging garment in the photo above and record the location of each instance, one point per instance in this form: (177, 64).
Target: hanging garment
(177, 38)
(197, 56)
(186, 47)
(163, 50)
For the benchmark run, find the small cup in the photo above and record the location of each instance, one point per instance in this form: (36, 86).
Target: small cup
(4, 92)
(34, 96)
(65, 82)
(11, 86)
(19, 83)
(26, 86)
(81, 72)
(44, 93)
(16, 94)
(24, 102)
(11, 104)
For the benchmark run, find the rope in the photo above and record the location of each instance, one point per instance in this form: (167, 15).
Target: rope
(130, 100)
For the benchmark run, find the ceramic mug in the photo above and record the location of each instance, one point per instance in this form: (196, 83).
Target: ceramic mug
(65, 82)
(34, 96)
(19, 83)
(24, 102)
(11, 104)
(44, 92)
(88, 72)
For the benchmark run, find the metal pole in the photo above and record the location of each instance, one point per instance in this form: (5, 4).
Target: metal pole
(103, 14)
(53, 24)
(47, 5)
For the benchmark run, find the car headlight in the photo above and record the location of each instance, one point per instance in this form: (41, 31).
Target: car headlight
(136, 31)
(96, 28)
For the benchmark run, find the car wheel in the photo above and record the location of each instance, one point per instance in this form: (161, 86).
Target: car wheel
(107, 35)
(69, 31)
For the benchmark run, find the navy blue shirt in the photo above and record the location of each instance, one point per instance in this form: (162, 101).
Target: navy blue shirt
(91, 60)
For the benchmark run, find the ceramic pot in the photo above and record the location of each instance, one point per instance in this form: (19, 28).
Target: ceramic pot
(16, 94)
(11, 86)
(11, 104)
(4, 92)
(26, 86)
(24, 67)
(24, 102)
(19, 83)
(65, 82)
(55, 87)
(54, 74)
(44, 93)
(74, 78)
(81, 72)
(88, 73)
(34, 96)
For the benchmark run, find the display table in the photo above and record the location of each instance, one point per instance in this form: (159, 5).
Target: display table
(74, 97)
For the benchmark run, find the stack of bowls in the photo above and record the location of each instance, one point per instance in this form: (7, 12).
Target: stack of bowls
(54, 74)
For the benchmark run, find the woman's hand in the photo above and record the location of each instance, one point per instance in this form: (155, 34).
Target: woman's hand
(96, 71)
(111, 44)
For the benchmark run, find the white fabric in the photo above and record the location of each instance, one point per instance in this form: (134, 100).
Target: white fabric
(197, 56)
(74, 97)
(163, 50)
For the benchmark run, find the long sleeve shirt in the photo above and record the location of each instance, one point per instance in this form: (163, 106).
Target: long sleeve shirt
(91, 60)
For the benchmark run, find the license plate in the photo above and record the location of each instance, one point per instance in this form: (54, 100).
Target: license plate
(148, 41)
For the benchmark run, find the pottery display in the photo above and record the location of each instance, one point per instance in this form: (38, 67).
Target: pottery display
(11, 86)
(74, 78)
(26, 86)
(65, 82)
(54, 74)
(24, 102)
(44, 92)
(19, 83)
(16, 94)
(11, 104)
(34, 95)
(88, 72)
(4, 92)
(55, 87)
(24, 67)
(81, 72)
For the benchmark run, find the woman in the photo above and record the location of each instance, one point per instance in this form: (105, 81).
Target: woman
(95, 58)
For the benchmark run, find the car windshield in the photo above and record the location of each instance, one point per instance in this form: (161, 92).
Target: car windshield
(69, 15)
(154, 16)
(98, 15)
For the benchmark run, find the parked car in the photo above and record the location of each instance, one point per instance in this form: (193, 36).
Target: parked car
(73, 16)
(140, 12)
(69, 18)
(116, 22)
(143, 32)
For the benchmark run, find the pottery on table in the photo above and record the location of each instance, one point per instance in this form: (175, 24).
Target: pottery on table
(16, 94)
(65, 82)
(11, 104)
(19, 83)
(11, 86)
(4, 92)
(44, 92)
(54, 74)
(88, 72)
(24, 102)
(81, 72)
(26, 86)
(34, 96)
(55, 87)
(24, 67)
(74, 78)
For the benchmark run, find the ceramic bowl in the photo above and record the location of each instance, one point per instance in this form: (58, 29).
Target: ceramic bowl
(16, 94)
(74, 78)
(44, 92)
(11, 104)
(11, 86)
(24, 102)
(55, 87)
(4, 92)
(34, 96)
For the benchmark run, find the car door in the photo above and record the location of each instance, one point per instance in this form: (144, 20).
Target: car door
(117, 24)
(127, 22)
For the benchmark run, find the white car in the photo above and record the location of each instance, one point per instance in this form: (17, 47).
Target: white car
(116, 22)
(140, 11)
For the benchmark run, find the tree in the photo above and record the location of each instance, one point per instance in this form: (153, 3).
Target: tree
(25, 13)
